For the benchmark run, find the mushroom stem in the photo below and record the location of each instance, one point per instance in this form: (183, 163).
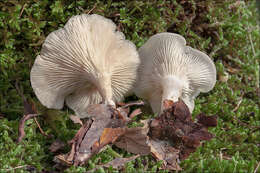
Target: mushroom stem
(173, 95)
(105, 89)
(172, 89)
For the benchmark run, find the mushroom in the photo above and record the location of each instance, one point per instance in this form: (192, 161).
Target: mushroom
(171, 70)
(84, 63)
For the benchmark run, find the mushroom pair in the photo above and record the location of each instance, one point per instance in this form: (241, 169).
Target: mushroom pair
(88, 62)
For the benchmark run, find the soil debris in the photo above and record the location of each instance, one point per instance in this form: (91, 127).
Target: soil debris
(170, 137)
(175, 125)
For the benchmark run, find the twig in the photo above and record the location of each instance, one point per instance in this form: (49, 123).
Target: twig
(256, 62)
(42, 132)
(138, 103)
(18, 167)
(21, 126)
(251, 41)
(22, 10)
(238, 104)
(135, 113)
(91, 9)
(257, 167)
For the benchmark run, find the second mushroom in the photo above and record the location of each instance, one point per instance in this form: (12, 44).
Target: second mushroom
(171, 70)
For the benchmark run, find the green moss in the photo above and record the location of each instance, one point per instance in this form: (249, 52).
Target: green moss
(226, 30)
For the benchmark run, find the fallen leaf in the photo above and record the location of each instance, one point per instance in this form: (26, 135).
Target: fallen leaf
(170, 137)
(208, 121)
(76, 119)
(56, 145)
(91, 142)
(181, 111)
(104, 128)
(110, 135)
(176, 126)
(135, 140)
(162, 150)
(119, 163)
(99, 111)
(62, 159)
(76, 141)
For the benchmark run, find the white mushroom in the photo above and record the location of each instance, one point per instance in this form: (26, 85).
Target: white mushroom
(171, 70)
(84, 63)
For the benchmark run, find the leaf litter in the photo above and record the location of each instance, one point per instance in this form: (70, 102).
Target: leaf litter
(170, 137)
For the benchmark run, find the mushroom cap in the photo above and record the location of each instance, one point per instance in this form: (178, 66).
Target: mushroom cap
(84, 63)
(168, 66)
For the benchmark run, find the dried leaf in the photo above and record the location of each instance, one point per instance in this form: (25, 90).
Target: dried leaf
(119, 163)
(105, 128)
(181, 111)
(56, 145)
(100, 111)
(170, 137)
(135, 140)
(76, 141)
(208, 121)
(176, 126)
(76, 119)
(110, 135)
(62, 159)
(162, 150)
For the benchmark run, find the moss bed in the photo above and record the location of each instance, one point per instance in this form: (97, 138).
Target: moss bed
(226, 30)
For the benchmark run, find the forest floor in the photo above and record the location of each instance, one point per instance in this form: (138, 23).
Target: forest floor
(228, 31)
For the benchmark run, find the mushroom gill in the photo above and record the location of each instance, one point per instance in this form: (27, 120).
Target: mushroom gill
(84, 63)
(171, 70)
